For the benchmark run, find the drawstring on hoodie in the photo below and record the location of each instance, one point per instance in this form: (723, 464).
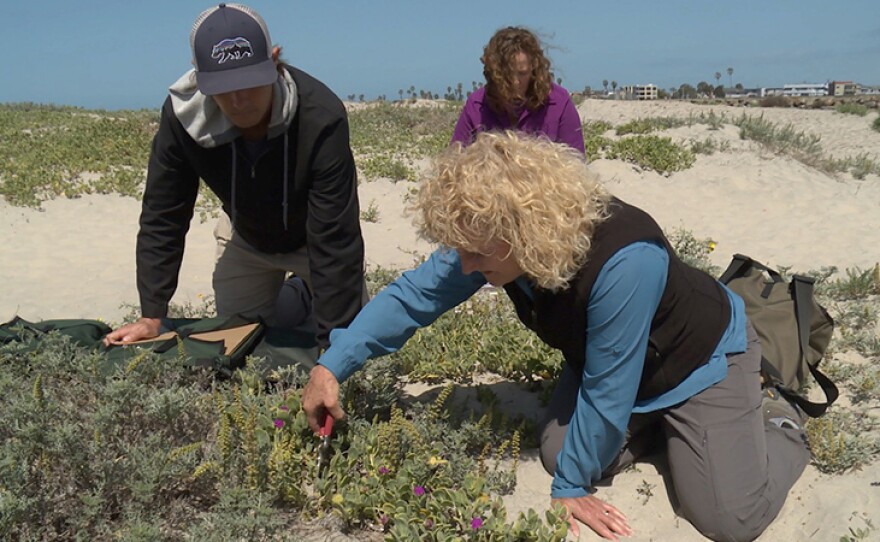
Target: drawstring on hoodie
(234, 168)
(284, 181)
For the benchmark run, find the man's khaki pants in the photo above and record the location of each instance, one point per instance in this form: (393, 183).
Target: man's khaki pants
(248, 282)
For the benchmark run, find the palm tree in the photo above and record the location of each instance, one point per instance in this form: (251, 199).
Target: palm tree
(614, 85)
(730, 76)
(605, 84)
(400, 91)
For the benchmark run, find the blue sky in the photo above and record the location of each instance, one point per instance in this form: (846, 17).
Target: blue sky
(118, 54)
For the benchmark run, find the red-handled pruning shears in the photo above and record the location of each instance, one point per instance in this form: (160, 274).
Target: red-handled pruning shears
(324, 447)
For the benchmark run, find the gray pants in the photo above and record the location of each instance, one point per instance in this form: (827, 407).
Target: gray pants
(731, 471)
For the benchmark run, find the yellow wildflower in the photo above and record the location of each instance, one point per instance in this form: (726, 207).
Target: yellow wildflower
(434, 461)
(337, 499)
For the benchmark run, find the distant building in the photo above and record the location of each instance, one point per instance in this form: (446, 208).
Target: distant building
(841, 88)
(805, 89)
(640, 92)
(865, 89)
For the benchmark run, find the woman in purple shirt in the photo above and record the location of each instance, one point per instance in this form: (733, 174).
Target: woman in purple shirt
(519, 94)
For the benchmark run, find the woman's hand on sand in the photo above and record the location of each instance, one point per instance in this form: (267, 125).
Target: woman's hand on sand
(145, 328)
(606, 520)
(320, 396)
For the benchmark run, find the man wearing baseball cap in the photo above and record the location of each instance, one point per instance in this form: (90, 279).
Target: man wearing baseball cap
(272, 143)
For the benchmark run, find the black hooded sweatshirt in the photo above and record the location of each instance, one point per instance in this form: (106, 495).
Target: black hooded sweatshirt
(300, 191)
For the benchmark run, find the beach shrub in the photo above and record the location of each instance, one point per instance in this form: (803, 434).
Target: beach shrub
(595, 128)
(371, 213)
(644, 126)
(692, 251)
(775, 101)
(876, 124)
(851, 109)
(595, 147)
(858, 284)
(652, 152)
(387, 138)
(594, 140)
(840, 441)
(378, 277)
(862, 165)
(51, 151)
(803, 147)
(385, 166)
(708, 146)
(482, 334)
(158, 450)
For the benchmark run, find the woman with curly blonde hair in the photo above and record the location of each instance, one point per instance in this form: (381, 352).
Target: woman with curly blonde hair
(658, 353)
(519, 93)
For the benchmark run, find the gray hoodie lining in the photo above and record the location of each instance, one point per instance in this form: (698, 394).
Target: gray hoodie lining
(208, 126)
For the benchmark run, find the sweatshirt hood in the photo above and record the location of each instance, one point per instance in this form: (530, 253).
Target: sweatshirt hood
(208, 126)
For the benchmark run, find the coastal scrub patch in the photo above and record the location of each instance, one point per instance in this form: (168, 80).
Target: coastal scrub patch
(388, 138)
(158, 448)
(644, 126)
(51, 151)
(852, 109)
(652, 152)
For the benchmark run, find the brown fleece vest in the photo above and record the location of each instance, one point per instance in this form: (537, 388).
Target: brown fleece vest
(693, 313)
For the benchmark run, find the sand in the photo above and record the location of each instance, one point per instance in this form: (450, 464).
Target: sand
(75, 259)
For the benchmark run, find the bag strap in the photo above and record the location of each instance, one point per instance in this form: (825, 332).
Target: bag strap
(737, 268)
(741, 264)
(802, 293)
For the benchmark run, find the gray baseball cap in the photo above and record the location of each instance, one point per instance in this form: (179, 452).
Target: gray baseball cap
(231, 50)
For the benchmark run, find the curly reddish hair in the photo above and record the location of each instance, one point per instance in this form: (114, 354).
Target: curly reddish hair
(497, 61)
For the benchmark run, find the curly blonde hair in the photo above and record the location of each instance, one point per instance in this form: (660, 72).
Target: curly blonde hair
(497, 61)
(533, 194)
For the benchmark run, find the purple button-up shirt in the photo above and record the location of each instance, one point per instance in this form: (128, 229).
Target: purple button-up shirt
(557, 119)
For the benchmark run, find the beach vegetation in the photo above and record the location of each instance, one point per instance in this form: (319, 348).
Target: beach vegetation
(51, 151)
(857, 534)
(371, 213)
(652, 152)
(154, 449)
(851, 109)
(644, 126)
(802, 146)
(775, 101)
(692, 250)
(708, 146)
(876, 124)
(840, 441)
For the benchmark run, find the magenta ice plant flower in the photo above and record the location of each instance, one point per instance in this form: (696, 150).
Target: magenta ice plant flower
(383, 470)
(285, 408)
(279, 423)
(419, 491)
(476, 523)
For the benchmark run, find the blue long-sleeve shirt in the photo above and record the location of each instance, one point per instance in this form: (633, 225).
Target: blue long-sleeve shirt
(622, 303)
